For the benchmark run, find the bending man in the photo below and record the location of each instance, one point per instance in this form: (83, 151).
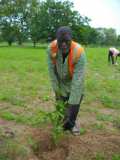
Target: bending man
(66, 63)
(112, 55)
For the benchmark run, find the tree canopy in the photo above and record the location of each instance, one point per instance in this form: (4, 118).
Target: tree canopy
(37, 20)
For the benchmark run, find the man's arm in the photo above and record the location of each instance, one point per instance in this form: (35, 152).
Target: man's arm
(51, 69)
(77, 86)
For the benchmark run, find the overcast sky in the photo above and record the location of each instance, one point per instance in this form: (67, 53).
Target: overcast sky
(103, 13)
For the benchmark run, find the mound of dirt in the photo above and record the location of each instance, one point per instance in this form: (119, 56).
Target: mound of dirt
(87, 146)
(90, 146)
(47, 149)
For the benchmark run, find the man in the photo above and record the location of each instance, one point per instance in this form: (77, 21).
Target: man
(66, 64)
(112, 55)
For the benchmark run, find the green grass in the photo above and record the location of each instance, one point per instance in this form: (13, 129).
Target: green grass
(99, 156)
(36, 119)
(104, 117)
(116, 157)
(98, 126)
(102, 79)
(12, 150)
(23, 73)
(82, 131)
(116, 122)
(24, 78)
(25, 89)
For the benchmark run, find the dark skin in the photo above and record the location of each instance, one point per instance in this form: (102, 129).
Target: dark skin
(64, 39)
(64, 46)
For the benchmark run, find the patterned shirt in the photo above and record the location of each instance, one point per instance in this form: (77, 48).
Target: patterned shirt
(62, 83)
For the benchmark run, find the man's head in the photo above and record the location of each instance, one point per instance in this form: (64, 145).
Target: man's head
(64, 37)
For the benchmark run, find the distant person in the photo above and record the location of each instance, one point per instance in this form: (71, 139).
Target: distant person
(112, 55)
(66, 63)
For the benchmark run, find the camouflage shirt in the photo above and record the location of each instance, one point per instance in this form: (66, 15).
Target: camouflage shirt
(61, 82)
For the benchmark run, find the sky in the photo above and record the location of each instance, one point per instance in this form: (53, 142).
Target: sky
(103, 13)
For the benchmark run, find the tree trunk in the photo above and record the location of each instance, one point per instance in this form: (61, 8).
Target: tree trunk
(34, 44)
(10, 43)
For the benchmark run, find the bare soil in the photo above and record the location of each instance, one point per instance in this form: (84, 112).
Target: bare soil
(83, 147)
(94, 144)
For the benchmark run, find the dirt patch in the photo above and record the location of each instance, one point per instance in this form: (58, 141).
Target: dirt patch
(88, 146)
(42, 104)
(47, 149)
(11, 126)
(109, 111)
(69, 147)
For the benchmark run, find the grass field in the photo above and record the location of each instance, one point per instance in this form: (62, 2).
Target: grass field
(25, 90)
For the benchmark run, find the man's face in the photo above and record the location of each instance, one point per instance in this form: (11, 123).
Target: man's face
(64, 45)
(64, 38)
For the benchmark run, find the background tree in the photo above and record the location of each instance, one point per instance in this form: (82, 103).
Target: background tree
(12, 18)
(110, 36)
(37, 20)
(118, 40)
(32, 19)
(106, 36)
(54, 14)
